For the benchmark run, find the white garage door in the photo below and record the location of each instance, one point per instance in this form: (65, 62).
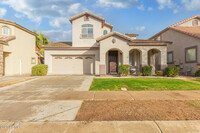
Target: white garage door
(73, 65)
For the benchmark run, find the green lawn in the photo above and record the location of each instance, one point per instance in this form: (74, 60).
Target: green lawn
(137, 84)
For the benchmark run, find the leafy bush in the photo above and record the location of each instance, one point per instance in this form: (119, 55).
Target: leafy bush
(39, 70)
(147, 70)
(124, 70)
(172, 71)
(139, 74)
(197, 73)
(159, 73)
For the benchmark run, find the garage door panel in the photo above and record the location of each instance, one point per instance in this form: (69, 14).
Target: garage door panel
(73, 65)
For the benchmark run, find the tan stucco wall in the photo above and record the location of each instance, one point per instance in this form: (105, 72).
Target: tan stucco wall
(77, 41)
(21, 50)
(50, 53)
(180, 42)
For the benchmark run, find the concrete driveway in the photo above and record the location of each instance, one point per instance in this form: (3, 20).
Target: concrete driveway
(41, 99)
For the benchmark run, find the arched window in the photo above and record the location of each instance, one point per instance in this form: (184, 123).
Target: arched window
(105, 32)
(5, 30)
(87, 31)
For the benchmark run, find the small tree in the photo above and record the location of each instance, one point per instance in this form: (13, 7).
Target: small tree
(41, 39)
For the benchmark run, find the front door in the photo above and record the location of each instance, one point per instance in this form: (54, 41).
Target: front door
(113, 61)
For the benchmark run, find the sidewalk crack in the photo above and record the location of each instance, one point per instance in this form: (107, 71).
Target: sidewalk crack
(130, 95)
(158, 127)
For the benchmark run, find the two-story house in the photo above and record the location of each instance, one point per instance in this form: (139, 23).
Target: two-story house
(184, 51)
(17, 49)
(96, 49)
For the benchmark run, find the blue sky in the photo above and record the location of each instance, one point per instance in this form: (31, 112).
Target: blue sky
(143, 17)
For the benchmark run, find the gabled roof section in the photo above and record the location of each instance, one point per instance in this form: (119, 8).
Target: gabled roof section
(86, 13)
(93, 15)
(4, 21)
(186, 20)
(175, 25)
(114, 33)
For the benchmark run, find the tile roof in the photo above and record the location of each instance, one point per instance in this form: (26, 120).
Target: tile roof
(114, 33)
(131, 35)
(192, 31)
(175, 25)
(6, 39)
(58, 45)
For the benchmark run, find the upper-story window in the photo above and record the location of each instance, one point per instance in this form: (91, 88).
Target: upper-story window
(105, 32)
(87, 31)
(5, 30)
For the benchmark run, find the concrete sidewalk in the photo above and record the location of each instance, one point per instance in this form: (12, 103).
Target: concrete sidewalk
(129, 95)
(102, 127)
(100, 95)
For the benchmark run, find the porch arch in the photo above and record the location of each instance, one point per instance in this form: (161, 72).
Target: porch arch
(135, 59)
(114, 58)
(154, 59)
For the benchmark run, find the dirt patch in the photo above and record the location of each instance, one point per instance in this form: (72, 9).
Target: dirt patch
(138, 110)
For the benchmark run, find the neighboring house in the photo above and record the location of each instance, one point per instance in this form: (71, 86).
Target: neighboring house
(185, 50)
(95, 49)
(17, 49)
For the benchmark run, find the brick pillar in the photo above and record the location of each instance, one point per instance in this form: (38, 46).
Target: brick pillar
(1, 59)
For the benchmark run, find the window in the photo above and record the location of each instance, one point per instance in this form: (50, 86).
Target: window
(5, 30)
(87, 31)
(170, 57)
(105, 32)
(33, 60)
(191, 54)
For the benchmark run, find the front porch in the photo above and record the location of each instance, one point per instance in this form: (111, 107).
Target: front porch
(114, 58)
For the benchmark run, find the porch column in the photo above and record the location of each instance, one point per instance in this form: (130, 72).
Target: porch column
(1, 60)
(102, 65)
(163, 61)
(125, 58)
(144, 59)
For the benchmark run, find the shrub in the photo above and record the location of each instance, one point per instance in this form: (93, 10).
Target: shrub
(159, 73)
(172, 71)
(39, 70)
(197, 73)
(147, 70)
(124, 70)
(139, 74)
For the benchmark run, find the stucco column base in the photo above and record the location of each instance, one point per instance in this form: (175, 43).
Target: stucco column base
(1, 59)
(163, 66)
(102, 69)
